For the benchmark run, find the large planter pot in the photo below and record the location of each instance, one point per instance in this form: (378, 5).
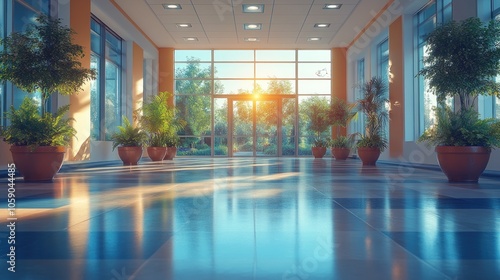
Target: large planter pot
(318, 152)
(463, 164)
(130, 155)
(157, 153)
(341, 153)
(369, 156)
(40, 164)
(171, 152)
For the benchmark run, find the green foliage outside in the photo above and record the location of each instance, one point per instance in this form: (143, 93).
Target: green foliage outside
(29, 128)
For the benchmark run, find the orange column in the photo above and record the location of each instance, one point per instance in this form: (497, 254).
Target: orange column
(166, 70)
(339, 78)
(396, 88)
(80, 102)
(137, 76)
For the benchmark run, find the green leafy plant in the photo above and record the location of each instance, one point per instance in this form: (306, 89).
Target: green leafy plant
(128, 135)
(29, 128)
(462, 60)
(43, 58)
(317, 111)
(343, 141)
(159, 121)
(373, 106)
(341, 113)
(462, 128)
(320, 142)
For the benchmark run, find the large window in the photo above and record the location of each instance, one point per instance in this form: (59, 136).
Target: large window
(250, 99)
(357, 124)
(383, 72)
(426, 20)
(24, 13)
(106, 96)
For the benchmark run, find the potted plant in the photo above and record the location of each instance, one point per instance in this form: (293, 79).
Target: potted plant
(317, 111)
(341, 113)
(172, 142)
(462, 63)
(129, 140)
(41, 59)
(155, 117)
(373, 103)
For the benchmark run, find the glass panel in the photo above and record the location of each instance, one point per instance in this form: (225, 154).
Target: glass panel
(315, 55)
(193, 70)
(314, 70)
(288, 128)
(234, 70)
(233, 55)
(314, 87)
(220, 117)
(22, 17)
(195, 110)
(19, 96)
(267, 128)
(113, 49)
(276, 86)
(497, 108)
(39, 5)
(235, 86)
(95, 113)
(275, 70)
(220, 146)
(242, 133)
(193, 146)
(308, 135)
(190, 55)
(95, 42)
(112, 105)
(193, 87)
(275, 55)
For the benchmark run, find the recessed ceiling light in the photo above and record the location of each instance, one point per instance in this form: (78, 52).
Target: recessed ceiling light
(252, 26)
(190, 39)
(172, 6)
(332, 6)
(183, 25)
(311, 39)
(322, 25)
(251, 39)
(253, 8)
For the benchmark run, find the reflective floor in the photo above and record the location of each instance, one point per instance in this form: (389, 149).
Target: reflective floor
(253, 218)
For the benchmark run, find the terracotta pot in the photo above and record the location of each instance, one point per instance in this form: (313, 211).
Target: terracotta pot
(171, 152)
(341, 153)
(318, 152)
(130, 155)
(369, 156)
(41, 164)
(157, 153)
(463, 164)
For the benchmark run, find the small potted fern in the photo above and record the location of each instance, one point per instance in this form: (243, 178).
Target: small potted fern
(129, 141)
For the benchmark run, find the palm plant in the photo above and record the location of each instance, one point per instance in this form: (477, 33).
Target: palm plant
(128, 135)
(373, 106)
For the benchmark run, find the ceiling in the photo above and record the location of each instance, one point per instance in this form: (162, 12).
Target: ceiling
(220, 23)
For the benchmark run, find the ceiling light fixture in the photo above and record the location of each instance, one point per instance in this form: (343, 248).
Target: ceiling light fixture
(190, 39)
(322, 25)
(252, 26)
(312, 39)
(332, 6)
(252, 39)
(172, 6)
(253, 8)
(184, 25)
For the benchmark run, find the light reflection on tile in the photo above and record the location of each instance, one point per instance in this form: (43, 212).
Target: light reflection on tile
(255, 218)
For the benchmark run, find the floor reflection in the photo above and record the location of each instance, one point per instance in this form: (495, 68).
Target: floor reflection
(249, 218)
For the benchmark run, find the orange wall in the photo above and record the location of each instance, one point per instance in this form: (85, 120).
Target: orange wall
(80, 102)
(137, 76)
(396, 88)
(339, 78)
(166, 70)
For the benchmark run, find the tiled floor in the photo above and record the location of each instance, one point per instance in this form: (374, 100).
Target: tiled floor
(254, 218)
